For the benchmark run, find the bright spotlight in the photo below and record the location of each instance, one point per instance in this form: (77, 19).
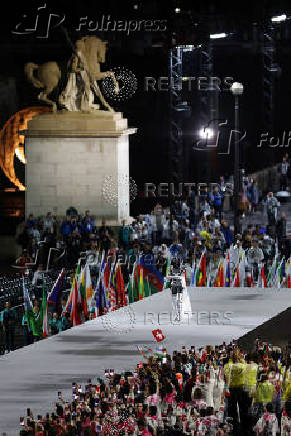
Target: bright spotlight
(177, 10)
(218, 35)
(279, 18)
(206, 133)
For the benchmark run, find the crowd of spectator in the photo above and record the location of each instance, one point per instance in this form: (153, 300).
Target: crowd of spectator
(216, 391)
(189, 227)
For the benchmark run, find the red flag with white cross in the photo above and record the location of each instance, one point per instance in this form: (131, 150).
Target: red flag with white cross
(158, 335)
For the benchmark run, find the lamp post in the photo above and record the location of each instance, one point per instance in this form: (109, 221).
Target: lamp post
(237, 90)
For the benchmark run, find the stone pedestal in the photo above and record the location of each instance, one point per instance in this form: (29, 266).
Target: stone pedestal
(81, 160)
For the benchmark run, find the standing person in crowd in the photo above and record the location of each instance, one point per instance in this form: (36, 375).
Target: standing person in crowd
(159, 221)
(66, 228)
(37, 331)
(105, 228)
(192, 207)
(227, 233)
(222, 189)
(48, 223)
(255, 257)
(105, 237)
(65, 316)
(244, 202)
(265, 392)
(31, 222)
(238, 401)
(27, 333)
(176, 249)
(35, 234)
(272, 205)
(253, 195)
(87, 225)
(55, 324)
(282, 169)
(24, 260)
(124, 235)
(105, 241)
(9, 319)
(217, 202)
(205, 208)
(281, 230)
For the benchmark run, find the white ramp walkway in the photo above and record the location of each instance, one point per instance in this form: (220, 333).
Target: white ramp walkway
(32, 376)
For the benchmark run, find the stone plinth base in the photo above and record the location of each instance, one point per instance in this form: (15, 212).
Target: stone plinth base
(80, 160)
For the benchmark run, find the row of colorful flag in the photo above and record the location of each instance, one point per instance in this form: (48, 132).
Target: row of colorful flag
(108, 294)
(227, 274)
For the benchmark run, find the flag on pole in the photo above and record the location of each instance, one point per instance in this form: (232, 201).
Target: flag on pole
(54, 297)
(120, 286)
(272, 273)
(44, 311)
(82, 291)
(264, 280)
(140, 285)
(221, 275)
(168, 266)
(75, 314)
(236, 280)
(68, 307)
(288, 273)
(193, 274)
(227, 275)
(88, 285)
(201, 271)
(150, 274)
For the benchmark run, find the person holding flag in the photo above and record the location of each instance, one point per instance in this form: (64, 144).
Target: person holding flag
(32, 315)
(55, 296)
(44, 311)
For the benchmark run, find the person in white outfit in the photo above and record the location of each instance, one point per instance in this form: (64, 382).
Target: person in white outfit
(268, 423)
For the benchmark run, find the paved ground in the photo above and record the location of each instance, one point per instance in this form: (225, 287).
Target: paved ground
(32, 376)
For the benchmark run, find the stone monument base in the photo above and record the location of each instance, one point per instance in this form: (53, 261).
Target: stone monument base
(81, 160)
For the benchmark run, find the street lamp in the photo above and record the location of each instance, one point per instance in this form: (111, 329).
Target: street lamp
(218, 35)
(206, 133)
(279, 18)
(237, 90)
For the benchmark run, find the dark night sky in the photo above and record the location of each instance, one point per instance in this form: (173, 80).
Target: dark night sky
(238, 56)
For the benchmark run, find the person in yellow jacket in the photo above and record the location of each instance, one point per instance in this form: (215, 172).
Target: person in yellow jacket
(238, 402)
(251, 374)
(265, 390)
(286, 388)
(235, 371)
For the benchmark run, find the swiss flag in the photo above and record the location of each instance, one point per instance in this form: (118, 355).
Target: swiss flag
(158, 335)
